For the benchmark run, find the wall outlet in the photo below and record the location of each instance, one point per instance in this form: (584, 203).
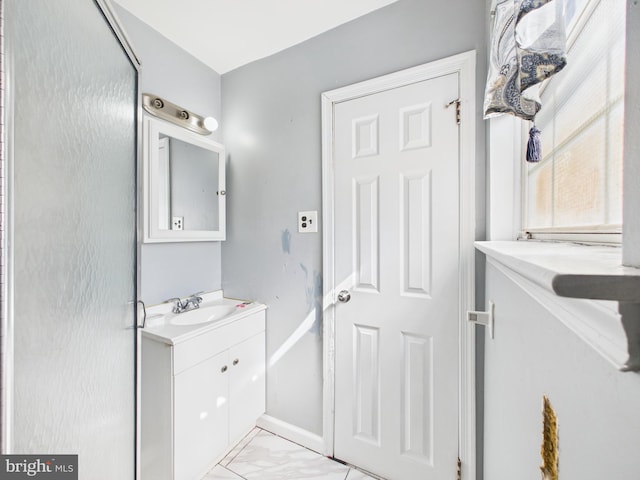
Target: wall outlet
(176, 223)
(308, 222)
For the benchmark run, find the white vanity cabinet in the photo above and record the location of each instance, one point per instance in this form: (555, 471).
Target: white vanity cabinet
(200, 396)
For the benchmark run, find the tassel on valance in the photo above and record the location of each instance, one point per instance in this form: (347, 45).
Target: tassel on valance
(534, 146)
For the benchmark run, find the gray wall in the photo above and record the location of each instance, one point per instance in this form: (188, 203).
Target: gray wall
(271, 119)
(534, 354)
(175, 269)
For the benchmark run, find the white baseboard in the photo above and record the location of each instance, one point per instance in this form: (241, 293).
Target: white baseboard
(291, 432)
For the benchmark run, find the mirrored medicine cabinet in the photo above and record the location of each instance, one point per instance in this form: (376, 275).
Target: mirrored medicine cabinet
(184, 185)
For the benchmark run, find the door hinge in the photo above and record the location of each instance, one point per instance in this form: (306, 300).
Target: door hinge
(459, 469)
(457, 103)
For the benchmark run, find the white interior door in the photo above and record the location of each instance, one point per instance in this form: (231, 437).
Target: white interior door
(396, 253)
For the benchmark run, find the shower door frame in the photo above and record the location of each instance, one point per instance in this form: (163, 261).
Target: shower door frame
(6, 216)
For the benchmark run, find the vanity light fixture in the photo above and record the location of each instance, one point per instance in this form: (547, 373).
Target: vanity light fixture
(210, 124)
(173, 113)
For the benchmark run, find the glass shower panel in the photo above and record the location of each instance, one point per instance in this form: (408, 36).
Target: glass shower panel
(72, 235)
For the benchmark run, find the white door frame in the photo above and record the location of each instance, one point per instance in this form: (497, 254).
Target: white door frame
(464, 65)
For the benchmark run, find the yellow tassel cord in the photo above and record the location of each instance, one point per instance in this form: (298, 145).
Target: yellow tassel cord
(549, 449)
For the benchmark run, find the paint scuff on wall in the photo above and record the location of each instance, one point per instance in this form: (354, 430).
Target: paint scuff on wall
(286, 241)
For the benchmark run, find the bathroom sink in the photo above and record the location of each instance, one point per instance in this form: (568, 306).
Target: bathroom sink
(203, 314)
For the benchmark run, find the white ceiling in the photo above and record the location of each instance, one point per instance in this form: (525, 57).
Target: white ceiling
(225, 34)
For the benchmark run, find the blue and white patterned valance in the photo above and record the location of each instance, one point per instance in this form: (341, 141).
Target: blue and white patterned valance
(527, 46)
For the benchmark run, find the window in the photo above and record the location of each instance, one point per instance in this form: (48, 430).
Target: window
(577, 186)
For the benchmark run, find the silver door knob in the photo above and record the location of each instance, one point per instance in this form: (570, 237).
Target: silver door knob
(344, 296)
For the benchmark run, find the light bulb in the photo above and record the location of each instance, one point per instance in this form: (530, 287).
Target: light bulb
(210, 124)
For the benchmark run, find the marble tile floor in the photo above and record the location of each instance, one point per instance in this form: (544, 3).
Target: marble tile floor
(261, 455)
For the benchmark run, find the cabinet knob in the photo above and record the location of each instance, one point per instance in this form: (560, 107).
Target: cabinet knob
(236, 361)
(224, 369)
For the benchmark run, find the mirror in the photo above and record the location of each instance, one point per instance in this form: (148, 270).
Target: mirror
(184, 185)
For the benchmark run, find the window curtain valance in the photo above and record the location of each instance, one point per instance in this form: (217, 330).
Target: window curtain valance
(527, 46)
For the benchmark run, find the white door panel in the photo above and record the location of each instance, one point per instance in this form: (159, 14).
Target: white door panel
(201, 411)
(396, 251)
(246, 385)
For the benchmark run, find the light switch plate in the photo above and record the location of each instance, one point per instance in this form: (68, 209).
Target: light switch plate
(308, 222)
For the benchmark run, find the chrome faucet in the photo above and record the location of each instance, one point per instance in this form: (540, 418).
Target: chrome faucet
(190, 303)
(180, 306)
(194, 300)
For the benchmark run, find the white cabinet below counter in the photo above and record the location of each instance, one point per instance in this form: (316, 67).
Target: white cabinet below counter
(200, 396)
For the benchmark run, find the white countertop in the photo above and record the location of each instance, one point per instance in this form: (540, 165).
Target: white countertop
(161, 330)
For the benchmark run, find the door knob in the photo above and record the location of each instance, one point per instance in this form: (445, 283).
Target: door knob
(344, 296)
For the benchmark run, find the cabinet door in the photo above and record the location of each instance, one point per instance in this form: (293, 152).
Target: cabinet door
(246, 385)
(201, 414)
